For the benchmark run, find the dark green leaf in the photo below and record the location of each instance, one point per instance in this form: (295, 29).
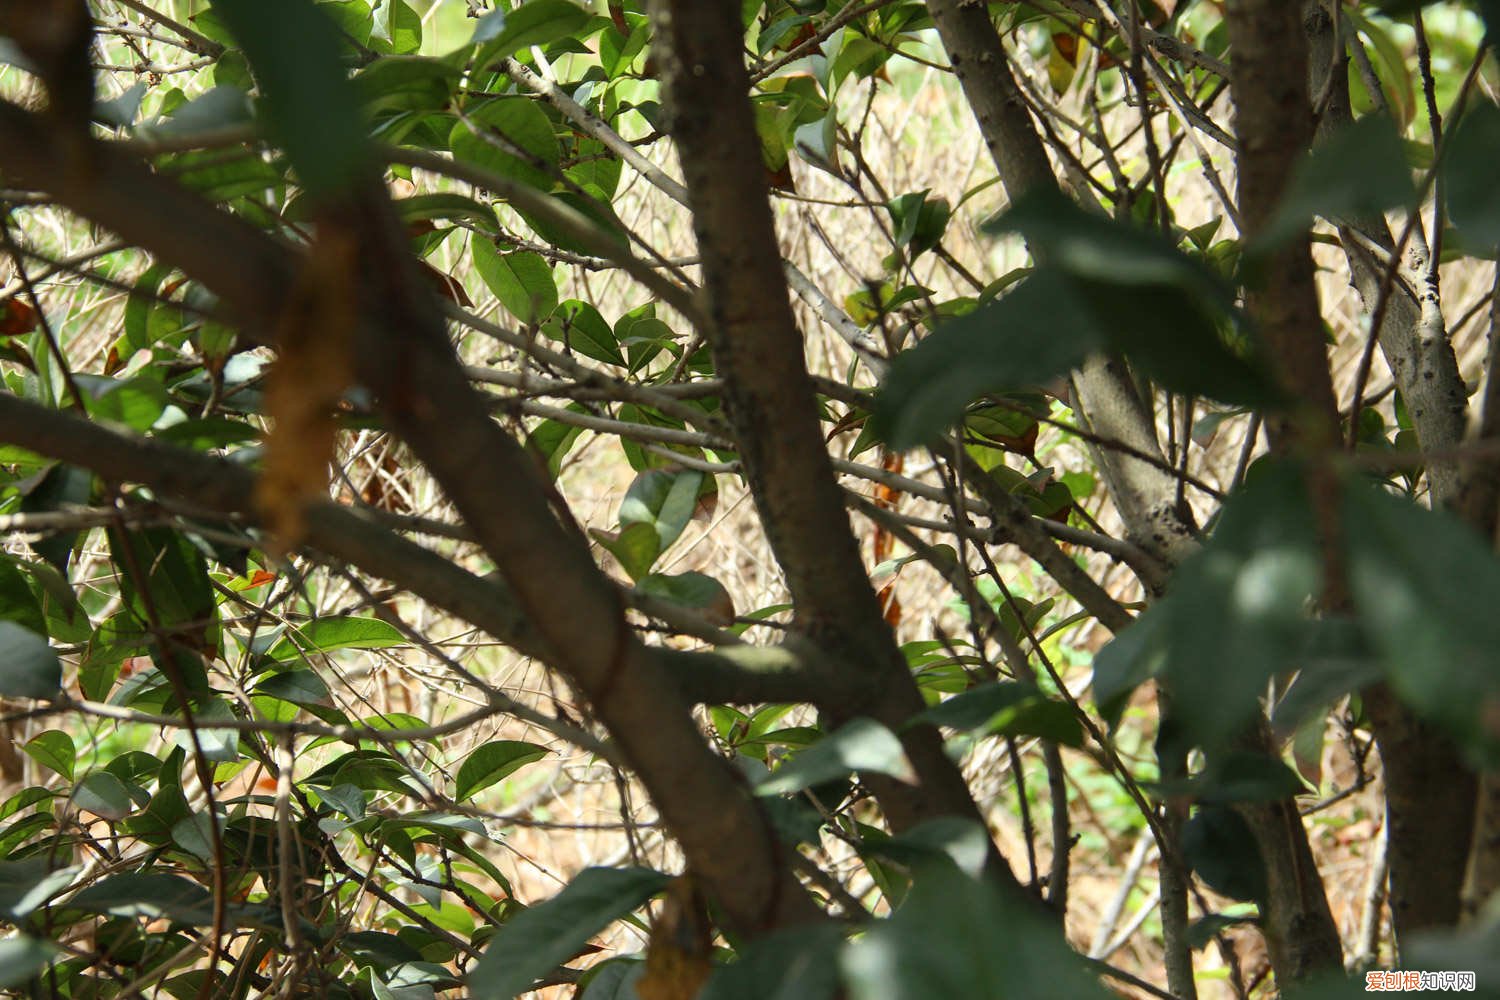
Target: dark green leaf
(104, 795)
(534, 941)
(636, 547)
(1036, 332)
(164, 577)
(121, 111)
(17, 603)
(28, 666)
(300, 687)
(23, 957)
(792, 964)
(961, 842)
(698, 591)
(537, 22)
(1360, 170)
(1424, 585)
(859, 745)
(663, 499)
(1221, 850)
(491, 763)
(942, 943)
(1469, 176)
(580, 326)
(1236, 776)
(311, 106)
(28, 883)
(407, 83)
(919, 221)
(154, 895)
(1237, 611)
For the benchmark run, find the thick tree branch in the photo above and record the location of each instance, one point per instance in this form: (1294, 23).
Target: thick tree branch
(1430, 790)
(759, 353)
(1146, 494)
(1273, 126)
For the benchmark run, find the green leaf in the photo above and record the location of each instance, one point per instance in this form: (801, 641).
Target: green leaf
(1220, 848)
(1008, 708)
(515, 139)
(54, 750)
(663, 499)
(23, 957)
(221, 746)
(1469, 176)
(219, 107)
(960, 842)
(136, 403)
(300, 687)
(104, 795)
(1241, 604)
(17, 603)
(1358, 170)
(1423, 584)
(1103, 286)
(942, 943)
(400, 27)
(535, 940)
(164, 579)
(446, 205)
(1235, 776)
(521, 280)
(636, 547)
(580, 326)
(327, 635)
(1129, 660)
(491, 763)
(790, 964)
(153, 895)
(121, 111)
(919, 221)
(691, 590)
(312, 109)
(551, 440)
(504, 33)
(859, 745)
(28, 883)
(407, 83)
(28, 666)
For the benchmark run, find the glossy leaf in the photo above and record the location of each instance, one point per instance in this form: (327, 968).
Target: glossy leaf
(536, 22)
(512, 137)
(54, 750)
(540, 937)
(327, 635)
(521, 280)
(860, 745)
(153, 895)
(491, 763)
